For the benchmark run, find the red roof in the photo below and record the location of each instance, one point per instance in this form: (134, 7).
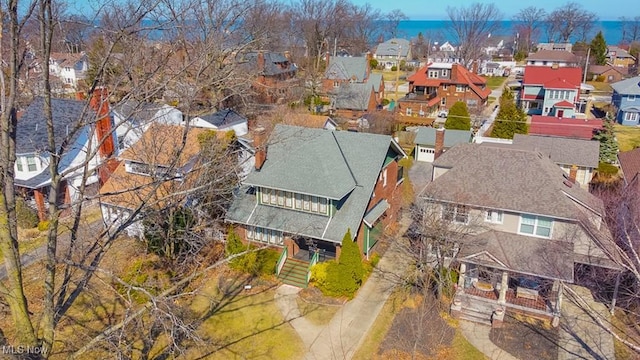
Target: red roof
(558, 83)
(563, 104)
(564, 127)
(459, 75)
(433, 101)
(547, 76)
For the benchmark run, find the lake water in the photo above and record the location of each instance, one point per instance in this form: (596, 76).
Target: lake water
(439, 30)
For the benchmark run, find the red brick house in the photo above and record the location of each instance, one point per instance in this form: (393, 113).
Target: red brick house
(276, 80)
(437, 86)
(331, 182)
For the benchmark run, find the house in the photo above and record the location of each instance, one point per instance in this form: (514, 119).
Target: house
(552, 91)
(91, 140)
(630, 165)
(608, 73)
(581, 156)
(564, 127)
(311, 186)
(626, 100)
(353, 100)
(132, 118)
(531, 230)
(431, 143)
(555, 46)
(553, 57)
(69, 68)
(342, 70)
(391, 52)
(276, 80)
(311, 121)
(446, 47)
(223, 120)
(619, 57)
(150, 176)
(439, 85)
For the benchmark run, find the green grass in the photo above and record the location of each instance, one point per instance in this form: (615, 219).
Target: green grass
(247, 327)
(463, 350)
(26, 245)
(317, 314)
(495, 82)
(491, 99)
(628, 137)
(600, 86)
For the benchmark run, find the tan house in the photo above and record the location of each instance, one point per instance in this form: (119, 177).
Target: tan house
(608, 73)
(531, 233)
(619, 57)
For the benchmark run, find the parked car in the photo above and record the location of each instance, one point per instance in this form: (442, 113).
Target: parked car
(443, 113)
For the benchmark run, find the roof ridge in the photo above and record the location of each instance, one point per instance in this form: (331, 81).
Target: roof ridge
(344, 158)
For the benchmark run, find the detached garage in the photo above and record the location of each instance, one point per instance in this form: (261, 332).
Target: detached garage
(430, 141)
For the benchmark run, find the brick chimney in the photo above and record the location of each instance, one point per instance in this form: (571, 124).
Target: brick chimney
(260, 61)
(573, 173)
(100, 104)
(439, 143)
(260, 146)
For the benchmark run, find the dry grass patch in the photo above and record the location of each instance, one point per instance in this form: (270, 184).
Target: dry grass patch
(628, 137)
(317, 314)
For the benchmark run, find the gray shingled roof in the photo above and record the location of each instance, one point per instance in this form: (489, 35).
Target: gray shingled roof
(335, 164)
(137, 112)
(31, 132)
(427, 136)
(628, 86)
(562, 150)
(274, 63)
(553, 55)
(545, 258)
(508, 179)
(353, 96)
(375, 80)
(347, 68)
(394, 47)
(223, 118)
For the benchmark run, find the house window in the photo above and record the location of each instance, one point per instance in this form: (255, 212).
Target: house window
(455, 213)
(433, 73)
(66, 68)
(336, 84)
(31, 163)
(443, 101)
(314, 204)
(68, 80)
(408, 111)
(306, 203)
(460, 88)
(265, 235)
(273, 197)
(265, 195)
(288, 199)
(631, 98)
(323, 205)
(630, 116)
(298, 201)
(445, 87)
(427, 150)
(280, 198)
(536, 225)
(384, 178)
(493, 216)
(249, 232)
(445, 73)
(19, 164)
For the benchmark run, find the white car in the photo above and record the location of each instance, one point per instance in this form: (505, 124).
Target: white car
(443, 114)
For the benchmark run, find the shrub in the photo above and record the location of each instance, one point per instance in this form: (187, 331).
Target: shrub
(234, 244)
(319, 273)
(27, 217)
(373, 64)
(375, 259)
(385, 102)
(394, 68)
(601, 78)
(43, 225)
(342, 278)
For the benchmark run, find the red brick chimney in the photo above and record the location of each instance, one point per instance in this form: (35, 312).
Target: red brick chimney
(439, 143)
(260, 146)
(100, 104)
(573, 173)
(260, 60)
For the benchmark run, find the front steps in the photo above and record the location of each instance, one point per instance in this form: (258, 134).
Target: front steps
(294, 272)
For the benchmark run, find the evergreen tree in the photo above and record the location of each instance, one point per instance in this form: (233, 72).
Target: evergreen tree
(510, 119)
(608, 144)
(599, 49)
(350, 260)
(458, 118)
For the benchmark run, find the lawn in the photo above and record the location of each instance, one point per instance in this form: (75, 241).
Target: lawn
(495, 82)
(600, 86)
(628, 137)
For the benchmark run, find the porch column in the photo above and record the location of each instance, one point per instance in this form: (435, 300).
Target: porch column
(504, 284)
(615, 294)
(289, 244)
(39, 197)
(560, 295)
(338, 250)
(463, 269)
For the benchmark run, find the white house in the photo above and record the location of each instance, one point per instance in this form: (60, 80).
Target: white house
(69, 68)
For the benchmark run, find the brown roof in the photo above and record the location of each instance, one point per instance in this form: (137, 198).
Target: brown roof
(601, 69)
(161, 145)
(67, 59)
(306, 120)
(553, 55)
(630, 163)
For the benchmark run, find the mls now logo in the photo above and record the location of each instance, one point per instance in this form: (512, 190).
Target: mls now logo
(17, 350)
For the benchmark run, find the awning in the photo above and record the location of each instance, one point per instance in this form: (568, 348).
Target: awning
(374, 214)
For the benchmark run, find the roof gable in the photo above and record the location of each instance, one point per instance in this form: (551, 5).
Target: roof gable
(562, 150)
(541, 75)
(628, 86)
(347, 68)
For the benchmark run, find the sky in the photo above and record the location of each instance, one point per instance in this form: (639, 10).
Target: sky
(437, 10)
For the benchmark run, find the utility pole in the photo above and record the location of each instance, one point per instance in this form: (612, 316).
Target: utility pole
(398, 71)
(586, 64)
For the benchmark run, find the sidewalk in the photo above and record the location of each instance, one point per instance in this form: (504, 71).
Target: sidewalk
(478, 336)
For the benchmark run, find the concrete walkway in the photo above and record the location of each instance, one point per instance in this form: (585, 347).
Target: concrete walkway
(580, 335)
(349, 326)
(478, 336)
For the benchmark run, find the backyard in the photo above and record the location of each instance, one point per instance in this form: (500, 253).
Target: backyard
(495, 82)
(628, 137)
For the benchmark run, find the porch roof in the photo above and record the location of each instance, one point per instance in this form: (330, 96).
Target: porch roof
(544, 258)
(374, 214)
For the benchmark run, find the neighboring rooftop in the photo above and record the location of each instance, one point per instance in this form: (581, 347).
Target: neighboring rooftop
(601, 69)
(354, 96)
(628, 86)
(564, 127)
(561, 150)
(347, 68)
(223, 118)
(561, 77)
(394, 47)
(274, 63)
(630, 163)
(427, 136)
(553, 56)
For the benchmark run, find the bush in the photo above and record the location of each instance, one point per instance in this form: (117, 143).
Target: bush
(342, 278)
(27, 217)
(394, 68)
(373, 64)
(600, 78)
(43, 225)
(375, 259)
(319, 273)
(385, 102)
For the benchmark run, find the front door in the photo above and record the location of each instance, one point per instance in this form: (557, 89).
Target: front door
(560, 113)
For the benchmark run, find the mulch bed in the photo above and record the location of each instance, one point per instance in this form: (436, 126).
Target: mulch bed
(418, 330)
(526, 340)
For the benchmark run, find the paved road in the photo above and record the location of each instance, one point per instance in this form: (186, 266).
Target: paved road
(84, 233)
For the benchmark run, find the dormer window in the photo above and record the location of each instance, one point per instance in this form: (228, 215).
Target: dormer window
(31, 164)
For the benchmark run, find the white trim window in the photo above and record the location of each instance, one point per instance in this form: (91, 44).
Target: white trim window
(631, 98)
(630, 116)
(494, 216)
(288, 199)
(31, 164)
(455, 213)
(535, 225)
(460, 88)
(264, 235)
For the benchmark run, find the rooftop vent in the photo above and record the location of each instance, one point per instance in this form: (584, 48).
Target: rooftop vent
(568, 183)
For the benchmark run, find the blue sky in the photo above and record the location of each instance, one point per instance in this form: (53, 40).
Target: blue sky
(437, 10)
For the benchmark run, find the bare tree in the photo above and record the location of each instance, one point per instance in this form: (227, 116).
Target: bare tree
(472, 26)
(529, 21)
(392, 22)
(630, 29)
(568, 21)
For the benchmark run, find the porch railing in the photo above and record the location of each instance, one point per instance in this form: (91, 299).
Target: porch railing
(314, 260)
(281, 260)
